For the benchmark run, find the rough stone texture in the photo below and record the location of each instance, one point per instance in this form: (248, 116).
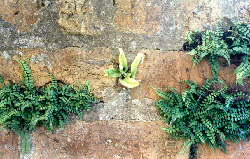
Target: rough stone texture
(22, 13)
(74, 65)
(8, 145)
(77, 40)
(107, 140)
(119, 105)
(70, 65)
(139, 17)
(131, 24)
(83, 16)
(204, 14)
(235, 151)
(168, 69)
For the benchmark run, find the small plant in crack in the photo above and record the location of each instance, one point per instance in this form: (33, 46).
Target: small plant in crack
(213, 113)
(125, 73)
(230, 44)
(24, 106)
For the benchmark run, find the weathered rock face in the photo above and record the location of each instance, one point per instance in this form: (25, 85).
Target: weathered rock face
(120, 105)
(77, 40)
(207, 13)
(139, 17)
(24, 14)
(162, 69)
(131, 24)
(83, 16)
(70, 65)
(9, 148)
(240, 151)
(106, 140)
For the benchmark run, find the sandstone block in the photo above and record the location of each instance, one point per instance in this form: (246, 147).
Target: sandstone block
(139, 17)
(24, 14)
(79, 17)
(235, 151)
(170, 69)
(107, 140)
(9, 145)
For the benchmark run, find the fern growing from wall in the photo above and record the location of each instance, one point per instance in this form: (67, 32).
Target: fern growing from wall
(24, 107)
(213, 113)
(221, 43)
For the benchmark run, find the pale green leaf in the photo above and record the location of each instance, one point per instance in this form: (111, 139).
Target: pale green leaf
(123, 64)
(192, 53)
(113, 73)
(87, 84)
(134, 66)
(25, 143)
(129, 82)
(127, 75)
(186, 147)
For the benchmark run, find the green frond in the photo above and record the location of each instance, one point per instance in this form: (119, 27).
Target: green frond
(24, 107)
(27, 74)
(213, 45)
(212, 113)
(242, 71)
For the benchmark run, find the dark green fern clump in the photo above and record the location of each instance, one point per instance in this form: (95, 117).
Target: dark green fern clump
(24, 107)
(213, 113)
(222, 43)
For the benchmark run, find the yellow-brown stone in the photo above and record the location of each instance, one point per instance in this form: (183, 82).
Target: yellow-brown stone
(22, 13)
(74, 65)
(9, 148)
(235, 151)
(70, 65)
(79, 17)
(139, 17)
(168, 69)
(107, 140)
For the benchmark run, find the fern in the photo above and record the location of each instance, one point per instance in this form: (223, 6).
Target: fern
(219, 43)
(126, 74)
(213, 113)
(212, 47)
(24, 107)
(27, 74)
(242, 72)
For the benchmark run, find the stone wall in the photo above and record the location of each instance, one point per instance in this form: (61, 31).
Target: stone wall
(77, 40)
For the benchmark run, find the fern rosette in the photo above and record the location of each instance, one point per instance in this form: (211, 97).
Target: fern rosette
(213, 113)
(222, 43)
(125, 73)
(24, 107)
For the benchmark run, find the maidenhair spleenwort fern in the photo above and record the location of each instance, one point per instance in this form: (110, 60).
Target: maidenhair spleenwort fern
(213, 113)
(27, 74)
(221, 43)
(212, 47)
(24, 107)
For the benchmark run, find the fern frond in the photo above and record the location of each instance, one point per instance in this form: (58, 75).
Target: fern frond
(242, 71)
(219, 43)
(27, 74)
(24, 107)
(212, 113)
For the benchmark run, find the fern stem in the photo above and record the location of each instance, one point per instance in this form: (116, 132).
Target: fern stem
(25, 142)
(214, 62)
(193, 151)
